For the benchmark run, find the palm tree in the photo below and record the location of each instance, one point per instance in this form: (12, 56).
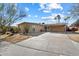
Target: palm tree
(66, 18)
(77, 23)
(58, 17)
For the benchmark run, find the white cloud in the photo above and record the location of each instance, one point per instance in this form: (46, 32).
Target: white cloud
(27, 9)
(48, 17)
(63, 12)
(55, 6)
(29, 15)
(45, 7)
(52, 16)
(46, 11)
(42, 6)
(62, 15)
(36, 16)
(68, 12)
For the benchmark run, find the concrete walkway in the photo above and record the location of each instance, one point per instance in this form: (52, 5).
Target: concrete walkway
(47, 44)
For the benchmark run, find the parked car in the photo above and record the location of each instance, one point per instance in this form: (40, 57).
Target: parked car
(72, 29)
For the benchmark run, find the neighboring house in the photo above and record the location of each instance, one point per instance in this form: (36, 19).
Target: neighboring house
(34, 27)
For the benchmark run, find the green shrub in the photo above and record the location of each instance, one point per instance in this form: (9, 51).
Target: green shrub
(3, 29)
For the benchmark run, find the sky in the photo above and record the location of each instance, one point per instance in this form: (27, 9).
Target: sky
(44, 12)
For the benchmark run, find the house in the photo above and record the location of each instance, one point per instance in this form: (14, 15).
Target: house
(56, 27)
(35, 27)
(30, 27)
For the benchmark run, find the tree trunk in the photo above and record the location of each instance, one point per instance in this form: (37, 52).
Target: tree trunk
(58, 20)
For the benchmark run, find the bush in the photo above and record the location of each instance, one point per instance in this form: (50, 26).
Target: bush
(3, 29)
(14, 29)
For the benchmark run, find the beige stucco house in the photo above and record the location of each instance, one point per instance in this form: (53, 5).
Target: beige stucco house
(56, 27)
(35, 27)
(32, 27)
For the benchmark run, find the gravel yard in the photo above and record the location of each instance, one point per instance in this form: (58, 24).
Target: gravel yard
(14, 38)
(74, 37)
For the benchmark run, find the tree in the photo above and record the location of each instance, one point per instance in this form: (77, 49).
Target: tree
(74, 11)
(77, 22)
(9, 14)
(66, 18)
(43, 23)
(58, 18)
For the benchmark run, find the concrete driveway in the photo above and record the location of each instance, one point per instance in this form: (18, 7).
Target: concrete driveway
(47, 44)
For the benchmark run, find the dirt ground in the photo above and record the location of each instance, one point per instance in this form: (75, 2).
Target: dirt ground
(74, 37)
(16, 38)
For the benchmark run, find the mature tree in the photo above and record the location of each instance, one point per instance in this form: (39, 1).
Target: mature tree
(66, 18)
(66, 22)
(9, 14)
(77, 22)
(58, 17)
(75, 10)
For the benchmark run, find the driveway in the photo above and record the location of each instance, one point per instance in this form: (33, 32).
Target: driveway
(47, 44)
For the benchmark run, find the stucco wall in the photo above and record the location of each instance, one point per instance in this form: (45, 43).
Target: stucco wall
(41, 28)
(36, 28)
(23, 27)
(57, 28)
(32, 27)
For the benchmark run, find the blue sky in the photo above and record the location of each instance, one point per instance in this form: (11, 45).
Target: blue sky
(44, 12)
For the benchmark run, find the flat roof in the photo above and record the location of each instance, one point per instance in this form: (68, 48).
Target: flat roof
(41, 23)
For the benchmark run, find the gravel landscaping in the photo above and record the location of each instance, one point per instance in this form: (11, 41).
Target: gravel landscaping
(74, 37)
(14, 38)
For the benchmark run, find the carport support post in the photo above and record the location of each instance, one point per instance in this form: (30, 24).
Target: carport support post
(65, 28)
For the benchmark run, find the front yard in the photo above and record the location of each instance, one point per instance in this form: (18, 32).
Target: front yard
(74, 37)
(14, 38)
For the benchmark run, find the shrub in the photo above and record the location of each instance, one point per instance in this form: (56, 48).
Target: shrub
(3, 29)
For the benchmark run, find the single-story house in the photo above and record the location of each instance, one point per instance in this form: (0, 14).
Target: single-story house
(30, 27)
(56, 27)
(35, 27)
